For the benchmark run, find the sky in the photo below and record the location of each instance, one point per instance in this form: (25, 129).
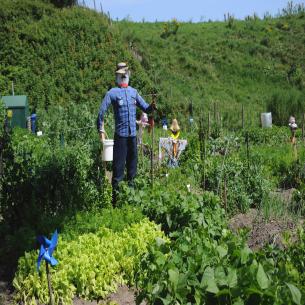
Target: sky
(186, 10)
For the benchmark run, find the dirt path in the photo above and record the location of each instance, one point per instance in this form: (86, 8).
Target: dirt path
(123, 296)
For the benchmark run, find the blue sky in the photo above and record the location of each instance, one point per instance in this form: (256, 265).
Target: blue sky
(185, 10)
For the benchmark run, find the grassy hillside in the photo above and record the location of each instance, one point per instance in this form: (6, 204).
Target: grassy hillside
(252, 62)
(58, 56)
(67, 56)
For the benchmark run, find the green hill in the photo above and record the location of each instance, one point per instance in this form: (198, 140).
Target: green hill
(59, 56)
(67, 56)
(259, 63)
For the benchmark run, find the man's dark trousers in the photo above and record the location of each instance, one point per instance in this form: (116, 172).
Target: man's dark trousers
(124, 153)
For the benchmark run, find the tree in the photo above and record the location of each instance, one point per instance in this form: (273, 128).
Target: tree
(64, 3)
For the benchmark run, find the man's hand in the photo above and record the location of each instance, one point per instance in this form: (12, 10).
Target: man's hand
(102, 136)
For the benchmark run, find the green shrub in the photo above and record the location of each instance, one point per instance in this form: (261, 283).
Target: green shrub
(41, 180)
(239, 182)
(173, 210)
(64, 3)
(285, 103)
(266, 136)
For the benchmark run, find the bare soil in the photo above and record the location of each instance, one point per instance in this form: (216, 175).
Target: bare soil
(262, 231)
(123, 296)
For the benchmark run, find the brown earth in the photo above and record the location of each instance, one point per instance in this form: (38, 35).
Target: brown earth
(123, 296)
(262, 231)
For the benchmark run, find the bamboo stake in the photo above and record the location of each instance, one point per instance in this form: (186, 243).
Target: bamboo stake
(225, 199)
(202, 151)
(49, 284)
(204, 156)
(248, 151)
(209, 124)
(152, 148)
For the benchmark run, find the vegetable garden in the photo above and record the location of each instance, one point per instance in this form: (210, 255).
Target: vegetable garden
(172, 243)
(175, 242)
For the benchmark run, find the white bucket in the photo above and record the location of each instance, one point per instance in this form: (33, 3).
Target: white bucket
(107, 150)
(266, 119)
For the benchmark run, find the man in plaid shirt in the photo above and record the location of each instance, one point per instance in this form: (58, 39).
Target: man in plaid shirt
(124, 100)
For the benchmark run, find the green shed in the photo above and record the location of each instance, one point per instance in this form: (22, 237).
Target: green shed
(19, 106)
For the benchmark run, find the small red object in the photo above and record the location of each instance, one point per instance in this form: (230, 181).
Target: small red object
(151, 122)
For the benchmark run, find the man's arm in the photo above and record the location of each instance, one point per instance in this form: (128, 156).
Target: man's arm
(143, 105)
(100, 119)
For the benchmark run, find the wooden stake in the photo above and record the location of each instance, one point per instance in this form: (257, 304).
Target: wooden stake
(218, 121)
(209, 124)
(202, 151)
(248, 152)
(152, 148)
(201, 139)
(49, 284)
(204, 158)
(225, 201)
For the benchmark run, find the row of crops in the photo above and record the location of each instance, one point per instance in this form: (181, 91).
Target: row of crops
(171, 241)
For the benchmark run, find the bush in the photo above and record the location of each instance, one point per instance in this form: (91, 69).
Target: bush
(64, 3)
(283, 104)
(266, 136)
(240, 185)
(173, 210)
(41, 180)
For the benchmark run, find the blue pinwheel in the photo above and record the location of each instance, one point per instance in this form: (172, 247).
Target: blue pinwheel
(47, 248)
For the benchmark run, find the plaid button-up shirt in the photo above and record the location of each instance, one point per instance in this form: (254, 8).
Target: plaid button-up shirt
(124, 102)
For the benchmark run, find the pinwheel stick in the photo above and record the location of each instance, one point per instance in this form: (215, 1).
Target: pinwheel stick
(49, 284)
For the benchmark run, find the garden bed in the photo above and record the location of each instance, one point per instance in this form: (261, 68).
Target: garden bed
(263, 231)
